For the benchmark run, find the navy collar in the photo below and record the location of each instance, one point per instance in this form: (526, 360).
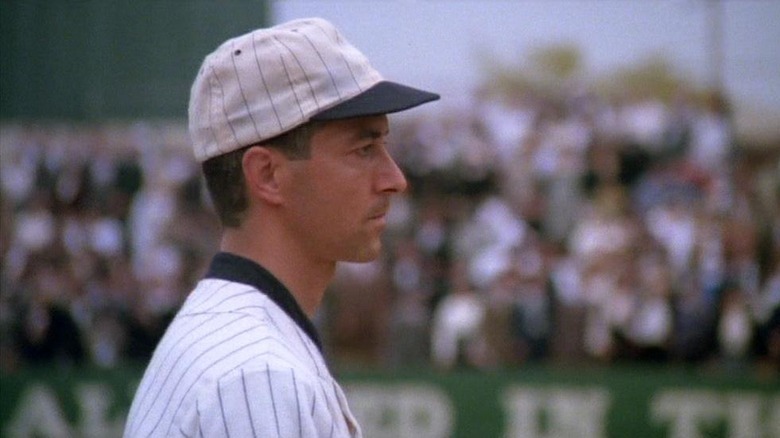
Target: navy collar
(230, 267)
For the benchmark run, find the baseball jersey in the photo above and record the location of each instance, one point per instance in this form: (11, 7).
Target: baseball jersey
(240, 359)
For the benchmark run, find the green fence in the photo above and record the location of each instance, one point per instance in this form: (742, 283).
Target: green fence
(615, 402)
(111, 59)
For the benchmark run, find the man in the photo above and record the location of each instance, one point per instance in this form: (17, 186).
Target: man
(290, 126)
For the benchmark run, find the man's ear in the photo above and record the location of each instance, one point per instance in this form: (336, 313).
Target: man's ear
(260, 165)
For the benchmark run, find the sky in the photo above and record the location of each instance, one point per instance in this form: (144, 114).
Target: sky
(437, 44)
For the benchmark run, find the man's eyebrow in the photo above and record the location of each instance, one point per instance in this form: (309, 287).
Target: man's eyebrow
(373, 134)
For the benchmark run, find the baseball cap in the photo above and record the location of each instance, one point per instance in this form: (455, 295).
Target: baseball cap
(261, 84)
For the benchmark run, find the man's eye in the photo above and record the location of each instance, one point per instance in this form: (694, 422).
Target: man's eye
(366, 150)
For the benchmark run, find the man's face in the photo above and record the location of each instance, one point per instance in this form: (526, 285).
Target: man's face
(337, 200)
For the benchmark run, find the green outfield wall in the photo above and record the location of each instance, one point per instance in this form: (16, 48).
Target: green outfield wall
(111, 59)
(530, 403)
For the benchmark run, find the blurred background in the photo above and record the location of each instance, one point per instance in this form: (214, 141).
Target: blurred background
(590, 244)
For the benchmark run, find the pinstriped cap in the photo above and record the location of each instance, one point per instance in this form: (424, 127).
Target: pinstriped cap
(269, 81)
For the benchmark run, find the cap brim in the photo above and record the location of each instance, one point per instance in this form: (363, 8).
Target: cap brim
(383, 98)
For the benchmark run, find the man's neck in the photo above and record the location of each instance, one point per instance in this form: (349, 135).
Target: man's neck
(306, 279)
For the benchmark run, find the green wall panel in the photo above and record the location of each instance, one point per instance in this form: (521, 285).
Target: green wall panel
(110, 59)
(617, 402)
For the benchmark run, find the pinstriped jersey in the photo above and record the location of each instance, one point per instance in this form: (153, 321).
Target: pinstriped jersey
(240, 359)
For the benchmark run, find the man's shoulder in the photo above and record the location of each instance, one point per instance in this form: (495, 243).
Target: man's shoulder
(224, 325)
(215, 300)
(272, 368)
(217, 295)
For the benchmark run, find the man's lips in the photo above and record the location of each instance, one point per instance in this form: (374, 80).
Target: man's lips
(379, 211)
(378, 219)
(378, 215)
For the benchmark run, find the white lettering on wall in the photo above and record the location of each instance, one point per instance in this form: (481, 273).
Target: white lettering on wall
(38, 413)
(406, 410)
(95, 402)
(555, 412)
(690, 413)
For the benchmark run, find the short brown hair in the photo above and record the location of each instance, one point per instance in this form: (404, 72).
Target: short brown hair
(224, 173)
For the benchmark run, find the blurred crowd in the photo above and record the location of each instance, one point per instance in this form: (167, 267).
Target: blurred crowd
(535, 230)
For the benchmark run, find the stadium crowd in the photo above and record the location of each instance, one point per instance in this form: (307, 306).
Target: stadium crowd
(534, 230)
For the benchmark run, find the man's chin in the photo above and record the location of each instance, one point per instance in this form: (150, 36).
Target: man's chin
(367, 254)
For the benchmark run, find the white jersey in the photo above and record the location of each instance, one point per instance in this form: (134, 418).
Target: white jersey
(238, 362)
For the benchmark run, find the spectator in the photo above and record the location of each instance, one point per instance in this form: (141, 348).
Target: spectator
(456, 325)
(735, 328)
(48, 333)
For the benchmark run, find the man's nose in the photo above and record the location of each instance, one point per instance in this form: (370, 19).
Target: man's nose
(392, 179)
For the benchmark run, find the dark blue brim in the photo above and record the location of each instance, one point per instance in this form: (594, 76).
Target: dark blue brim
(383, 98)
